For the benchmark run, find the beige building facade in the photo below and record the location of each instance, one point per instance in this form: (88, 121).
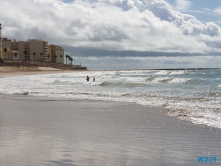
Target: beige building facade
(31, 50)
(8, 54)
(38, 50)
(34, 50)
(55, 54)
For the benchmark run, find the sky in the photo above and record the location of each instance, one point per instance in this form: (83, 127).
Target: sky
(122, 34)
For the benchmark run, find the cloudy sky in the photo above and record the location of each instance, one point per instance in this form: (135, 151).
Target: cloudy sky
(121, 34)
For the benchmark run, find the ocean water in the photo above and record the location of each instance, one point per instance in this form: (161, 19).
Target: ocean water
(193, 95)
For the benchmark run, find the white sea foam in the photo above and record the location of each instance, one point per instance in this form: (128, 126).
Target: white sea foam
(177, 72)
(179, 80)
(197, 112)
(187, 101)
(161, 79)
(163, 72)
(135, 79)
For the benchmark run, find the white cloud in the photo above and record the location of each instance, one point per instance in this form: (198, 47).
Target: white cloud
(217, 11)
(109, 24)
(188, 24)
(183, 5)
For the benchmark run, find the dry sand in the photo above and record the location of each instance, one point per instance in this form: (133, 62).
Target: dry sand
(12, 71)
(37, 131)
(25, 68)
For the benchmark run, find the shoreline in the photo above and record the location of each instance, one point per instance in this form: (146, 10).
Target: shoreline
(11, 69)
(159, 69)
(95, 132)
(46, 71)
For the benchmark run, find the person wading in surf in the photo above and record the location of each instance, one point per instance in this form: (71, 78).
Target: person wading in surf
(87, 78)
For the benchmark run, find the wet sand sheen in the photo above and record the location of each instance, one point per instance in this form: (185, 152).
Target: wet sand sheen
(36, 131)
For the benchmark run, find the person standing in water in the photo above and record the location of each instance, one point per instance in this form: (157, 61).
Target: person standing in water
(87, 78)
(93, 79)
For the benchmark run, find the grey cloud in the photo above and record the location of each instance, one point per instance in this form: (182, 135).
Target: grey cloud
(162, 10)
(97, 31)
(213, 29)
(90, 52)
(123, 4)
(109, 62)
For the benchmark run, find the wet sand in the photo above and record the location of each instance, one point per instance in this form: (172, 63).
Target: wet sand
(37, 131)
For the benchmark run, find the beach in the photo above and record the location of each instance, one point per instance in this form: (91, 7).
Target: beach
(40, 131)
(14, 71)
(79, 131)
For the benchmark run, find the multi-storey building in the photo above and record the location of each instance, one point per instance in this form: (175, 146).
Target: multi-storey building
(38, 50)
(7, 50)
(55, 54)
(14, 45)
(21, 50)
(26, 53)
(31, 50)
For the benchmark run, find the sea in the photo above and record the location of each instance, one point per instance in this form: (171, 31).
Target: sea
(193, 95)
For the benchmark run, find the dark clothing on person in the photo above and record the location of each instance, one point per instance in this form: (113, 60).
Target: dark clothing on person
(87, 78)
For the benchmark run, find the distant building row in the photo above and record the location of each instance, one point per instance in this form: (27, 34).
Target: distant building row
(31, 50)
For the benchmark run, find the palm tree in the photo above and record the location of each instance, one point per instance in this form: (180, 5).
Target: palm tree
(66, 56)
(5, 50)
(34, 55)
(61, 57)
(70, 59)
(41, 56)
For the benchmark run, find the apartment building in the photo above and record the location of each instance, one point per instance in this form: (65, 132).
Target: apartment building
(55, 54)
(31, 50)
(7, 51)
(38, 50)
